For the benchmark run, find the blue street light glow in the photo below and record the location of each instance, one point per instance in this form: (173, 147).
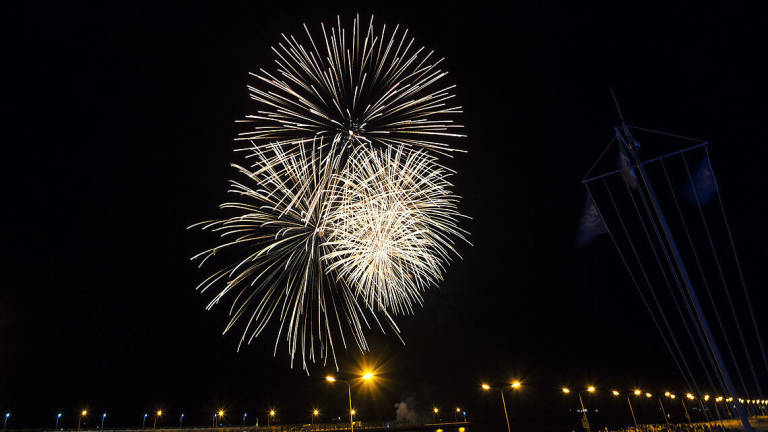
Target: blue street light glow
(58, 415)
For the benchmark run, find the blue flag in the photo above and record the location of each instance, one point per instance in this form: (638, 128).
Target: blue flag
(591, 224)
(627, 172)
(702, 184)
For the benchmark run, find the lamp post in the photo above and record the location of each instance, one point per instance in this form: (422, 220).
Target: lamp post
(685, 409)
(103, 417)
(272, 413)
(144, 420)
(245, 415)
(5, 420)
(584, 420)
(616, 393)
(515, 385)
(213, 423)
(456, 415)
(435, 412)
(158, 413)
(367, 376)
(315, 413)
(58, 417)
(220, 416)
(83, 413)
(181, 420)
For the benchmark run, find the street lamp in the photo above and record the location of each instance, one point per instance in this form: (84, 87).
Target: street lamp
(435, 412)
(245, 415)
(103, 416)
(616, 393)
(158, 413)
(272, 413)
(584, 420)
(144, 420)
(58, 417)
(315, 413)
(83, 413)
(181, 420)
(515, 385)
(5, 420)
(367, 376)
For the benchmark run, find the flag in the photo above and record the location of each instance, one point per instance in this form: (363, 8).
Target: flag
(627, 172)
(591, 224)
(701, 185)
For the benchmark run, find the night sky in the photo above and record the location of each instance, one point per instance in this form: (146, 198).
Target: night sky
(121, 120)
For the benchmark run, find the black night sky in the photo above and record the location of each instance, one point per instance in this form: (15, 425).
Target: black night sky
(121, 120)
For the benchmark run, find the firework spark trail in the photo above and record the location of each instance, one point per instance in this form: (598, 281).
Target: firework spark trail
(379, 92)
(393, 219)
(280, 226)
(345, 216)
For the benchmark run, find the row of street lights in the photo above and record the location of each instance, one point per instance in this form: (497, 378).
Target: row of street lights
(516, 385)
(436, 411)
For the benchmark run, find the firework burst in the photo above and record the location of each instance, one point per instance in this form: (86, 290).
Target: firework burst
(345, 215)
(278, 274)
(372, 88)
(393, 222)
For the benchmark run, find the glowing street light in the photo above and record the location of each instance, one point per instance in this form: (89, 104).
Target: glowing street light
(616, 393)
(103, 417)
(144, 420)
(637, 392)
(5, 420)
(315, 413)
(648, 395)
(158, 413)
(367, 376)
(435, 411)
(245, 415)
(685, 409)
(181, 420)
(58, 417)
(516, 384)
(272, 414)
(83, 413)
(589, 389)
(487, 387)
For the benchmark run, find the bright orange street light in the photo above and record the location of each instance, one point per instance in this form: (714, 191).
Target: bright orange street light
(487, 387)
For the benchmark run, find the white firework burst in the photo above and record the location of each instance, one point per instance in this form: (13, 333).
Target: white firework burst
(345, 216)
(275, 274)
(393, 223)
(371, 87)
